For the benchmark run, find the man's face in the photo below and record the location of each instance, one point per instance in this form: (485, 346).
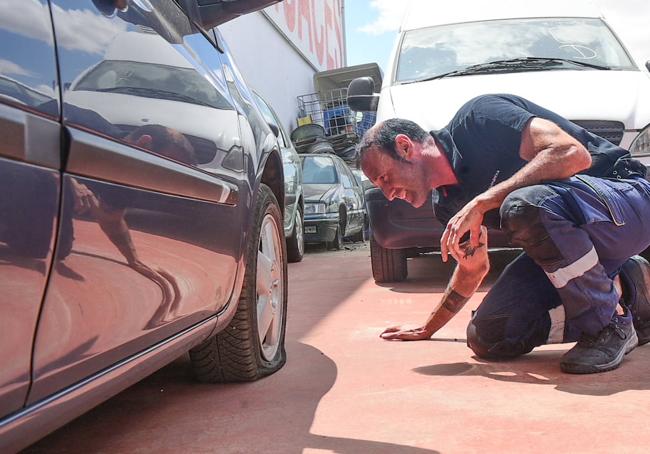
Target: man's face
(404, 180)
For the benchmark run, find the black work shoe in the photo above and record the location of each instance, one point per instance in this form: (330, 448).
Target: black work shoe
(635, 279)
(603, 352)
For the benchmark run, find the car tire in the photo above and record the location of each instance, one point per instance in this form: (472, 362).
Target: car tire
(296, 242)
(337, 242)
(360, 236)
(239, 353)
(388, 265)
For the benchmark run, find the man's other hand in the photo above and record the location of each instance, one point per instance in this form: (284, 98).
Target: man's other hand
(398, 333)
(468, 219)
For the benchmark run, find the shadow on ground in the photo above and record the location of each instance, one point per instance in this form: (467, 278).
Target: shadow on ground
(170, 412)
(542, 368)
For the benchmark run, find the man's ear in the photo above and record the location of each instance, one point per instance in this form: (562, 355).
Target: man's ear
(144, 141)
(403, 145)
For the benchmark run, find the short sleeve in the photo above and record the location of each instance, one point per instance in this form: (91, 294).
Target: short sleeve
(498, 121)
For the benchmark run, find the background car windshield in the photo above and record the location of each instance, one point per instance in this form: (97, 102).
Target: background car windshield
(318, 170)
(152, 81)
(429, 52)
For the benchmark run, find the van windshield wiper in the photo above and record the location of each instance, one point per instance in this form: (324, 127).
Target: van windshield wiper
(154, 93)
(512, 63)
(546, 60)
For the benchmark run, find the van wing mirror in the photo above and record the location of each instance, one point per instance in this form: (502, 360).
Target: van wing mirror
(647, 65)
(362, 96)
(211, 13)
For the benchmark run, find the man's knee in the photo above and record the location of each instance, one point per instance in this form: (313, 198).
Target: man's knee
(484, 344)
(522, 220)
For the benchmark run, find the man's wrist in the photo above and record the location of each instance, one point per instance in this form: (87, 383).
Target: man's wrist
(484, 203)
(454, 301)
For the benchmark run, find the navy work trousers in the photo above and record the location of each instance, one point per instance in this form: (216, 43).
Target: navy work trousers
(575, 234)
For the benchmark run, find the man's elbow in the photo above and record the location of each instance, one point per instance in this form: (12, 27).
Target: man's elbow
(579, 158)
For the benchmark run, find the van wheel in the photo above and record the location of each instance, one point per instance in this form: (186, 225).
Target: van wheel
(388, 265)
(252, 345)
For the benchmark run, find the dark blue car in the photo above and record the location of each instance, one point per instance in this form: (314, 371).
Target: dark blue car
(141, 202)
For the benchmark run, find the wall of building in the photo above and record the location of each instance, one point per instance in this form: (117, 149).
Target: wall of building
(279, 50)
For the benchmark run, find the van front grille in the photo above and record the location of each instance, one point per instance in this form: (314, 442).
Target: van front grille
(609, 130)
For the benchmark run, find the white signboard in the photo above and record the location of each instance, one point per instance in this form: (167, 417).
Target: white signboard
(315, 27)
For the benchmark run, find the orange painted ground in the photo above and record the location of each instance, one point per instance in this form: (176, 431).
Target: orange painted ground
(344, 390)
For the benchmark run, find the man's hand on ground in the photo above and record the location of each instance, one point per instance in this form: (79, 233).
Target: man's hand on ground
(399, 333)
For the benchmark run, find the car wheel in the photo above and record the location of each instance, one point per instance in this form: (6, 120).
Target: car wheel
(388, 265)
(360, 236)
(337, 242)
(296, 242)
(252, 345)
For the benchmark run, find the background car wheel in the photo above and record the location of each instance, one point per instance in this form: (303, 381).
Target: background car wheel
(252, 346)
(337, 242)
(296, 242)
(361, 235)
(388, 265)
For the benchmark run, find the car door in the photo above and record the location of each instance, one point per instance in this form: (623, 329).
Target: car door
(150, 232)
(29, 186)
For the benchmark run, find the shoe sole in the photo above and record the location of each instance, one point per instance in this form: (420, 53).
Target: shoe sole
(630, 345)
(639, 274)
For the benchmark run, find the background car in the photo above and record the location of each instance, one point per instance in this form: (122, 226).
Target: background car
(293, 198)
(566, 59)
(334, 207)
(141, 206)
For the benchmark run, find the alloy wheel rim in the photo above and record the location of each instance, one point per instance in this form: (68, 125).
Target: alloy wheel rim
(269, 288)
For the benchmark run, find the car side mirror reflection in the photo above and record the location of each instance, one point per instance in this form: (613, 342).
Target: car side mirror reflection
(647, 65)
(362, 96)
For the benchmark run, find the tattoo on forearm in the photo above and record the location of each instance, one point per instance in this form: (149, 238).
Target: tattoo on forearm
(453, 301)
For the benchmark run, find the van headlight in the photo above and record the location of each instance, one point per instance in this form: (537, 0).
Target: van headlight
(641, 143)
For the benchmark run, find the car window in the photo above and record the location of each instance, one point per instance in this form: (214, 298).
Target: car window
(346, 178)
(150, 80)
(28, 79)
(437, 50)
(318, 170)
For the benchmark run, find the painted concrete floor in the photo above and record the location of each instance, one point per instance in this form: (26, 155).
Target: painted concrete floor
(344, 390)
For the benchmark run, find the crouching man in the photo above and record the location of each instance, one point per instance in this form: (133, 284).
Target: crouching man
(574, 202)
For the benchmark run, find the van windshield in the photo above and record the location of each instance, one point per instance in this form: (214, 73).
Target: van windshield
(434, 51)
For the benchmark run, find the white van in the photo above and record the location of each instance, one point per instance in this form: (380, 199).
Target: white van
(564, 57)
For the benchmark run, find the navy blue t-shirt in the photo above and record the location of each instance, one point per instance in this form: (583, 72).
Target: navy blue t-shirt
(482, 143)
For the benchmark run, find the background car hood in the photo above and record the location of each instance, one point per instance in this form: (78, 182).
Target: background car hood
(318, 192)
(576, 95)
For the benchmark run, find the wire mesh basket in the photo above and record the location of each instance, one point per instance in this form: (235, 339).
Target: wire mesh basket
(330, 109)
